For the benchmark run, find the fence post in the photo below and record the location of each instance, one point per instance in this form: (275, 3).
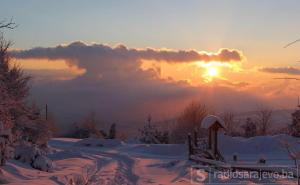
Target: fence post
(195, 138)
(190, 145)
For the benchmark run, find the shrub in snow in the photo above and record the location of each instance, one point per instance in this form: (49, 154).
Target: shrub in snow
(27, 154)
(82, 178)
(37, 131)
(34, 156)
(87, 128)
(43, 163)
(150, 134)
(76, 179)
(262, 160)
(6, 150)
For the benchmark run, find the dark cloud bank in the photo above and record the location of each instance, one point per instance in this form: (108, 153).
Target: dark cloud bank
(281, 70)
(118, 90)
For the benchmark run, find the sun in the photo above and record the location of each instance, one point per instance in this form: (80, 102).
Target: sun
(212, 71)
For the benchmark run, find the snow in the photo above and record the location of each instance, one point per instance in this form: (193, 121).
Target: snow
(209, 120)
(43, 163)
(26, 154)
(168, 150)
(114, 162)
(34, 157)
(251, 149)
(97, 142)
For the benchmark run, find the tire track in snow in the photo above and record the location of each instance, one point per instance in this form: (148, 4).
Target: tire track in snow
(119, 171)
(117, 168)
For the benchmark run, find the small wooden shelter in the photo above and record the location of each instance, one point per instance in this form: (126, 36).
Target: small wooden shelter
(213, 124)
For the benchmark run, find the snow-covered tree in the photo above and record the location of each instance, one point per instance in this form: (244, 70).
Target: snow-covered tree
(150, 134)
(35, 129)
(18, 121)
(8, 103)
(26, 120)
(6, 125)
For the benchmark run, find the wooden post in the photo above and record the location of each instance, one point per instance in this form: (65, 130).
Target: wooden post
(235, 158)
(209, 139)
(298, 178)
(196, 138)
(216, 142)
(46, 112)
(190, 145)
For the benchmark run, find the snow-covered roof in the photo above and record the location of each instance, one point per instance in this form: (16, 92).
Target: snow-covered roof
(209, 120)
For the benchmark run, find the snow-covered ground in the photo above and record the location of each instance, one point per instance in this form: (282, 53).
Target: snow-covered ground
(111, 162)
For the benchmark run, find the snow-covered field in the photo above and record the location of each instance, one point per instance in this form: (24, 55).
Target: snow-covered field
(111, 162)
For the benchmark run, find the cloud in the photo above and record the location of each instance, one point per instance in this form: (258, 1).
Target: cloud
(237, 85)
(48, 75)
(281, 70)
(116, 87)
(94, 56)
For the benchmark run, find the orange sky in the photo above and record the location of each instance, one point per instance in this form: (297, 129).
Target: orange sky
(238, 76)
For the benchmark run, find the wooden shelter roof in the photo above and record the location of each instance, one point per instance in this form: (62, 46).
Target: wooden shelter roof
(209, 120)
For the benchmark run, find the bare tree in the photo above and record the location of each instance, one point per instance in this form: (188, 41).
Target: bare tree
(249, 128)
(263, 118)
(90, 124)
(88, 127)
(189, 120)
(228, 118)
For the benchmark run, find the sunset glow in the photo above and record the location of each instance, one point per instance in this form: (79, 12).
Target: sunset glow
(138, 92)
(212, 71)
(161, 61)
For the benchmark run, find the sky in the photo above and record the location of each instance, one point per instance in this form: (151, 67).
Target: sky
(98, 49)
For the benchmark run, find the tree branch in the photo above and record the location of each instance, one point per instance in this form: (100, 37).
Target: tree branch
(289, 44)
(8, 24)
